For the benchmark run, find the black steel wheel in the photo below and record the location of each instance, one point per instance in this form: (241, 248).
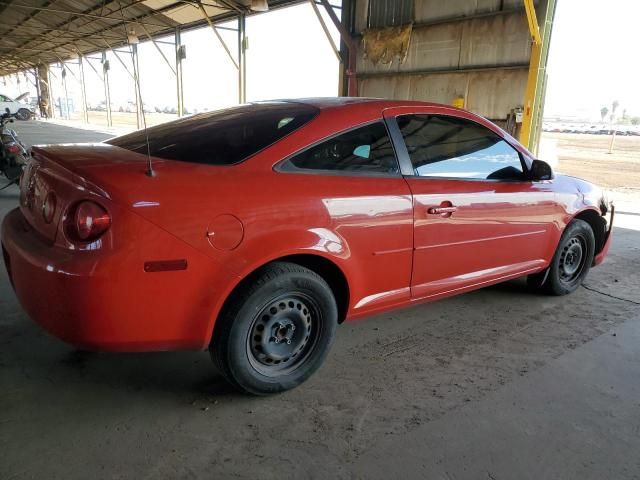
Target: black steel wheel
(283, 334)
(572, 258)
(571, 261)
(276, 330)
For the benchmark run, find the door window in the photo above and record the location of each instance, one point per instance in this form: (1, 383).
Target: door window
(451, 147)
(366, 150)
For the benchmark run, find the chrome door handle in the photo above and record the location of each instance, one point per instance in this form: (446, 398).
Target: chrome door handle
(441, 210)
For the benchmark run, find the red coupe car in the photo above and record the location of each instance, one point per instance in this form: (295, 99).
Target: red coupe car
(254, 231)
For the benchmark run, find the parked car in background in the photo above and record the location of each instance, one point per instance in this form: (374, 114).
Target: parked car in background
(254, 231)
(18, 109)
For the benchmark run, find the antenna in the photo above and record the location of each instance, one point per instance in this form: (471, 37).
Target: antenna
(136, 74)
(132, 40)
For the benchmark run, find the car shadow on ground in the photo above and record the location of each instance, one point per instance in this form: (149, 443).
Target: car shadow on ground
(170, 372)
(175, 373)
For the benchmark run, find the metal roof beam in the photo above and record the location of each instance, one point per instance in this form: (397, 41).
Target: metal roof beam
(76, 14)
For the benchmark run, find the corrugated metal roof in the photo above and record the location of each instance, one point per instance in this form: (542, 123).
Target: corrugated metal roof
(46, 31)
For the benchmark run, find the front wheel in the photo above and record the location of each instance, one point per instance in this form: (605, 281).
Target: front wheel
(23, 114)
(571, 261)
(276, 331)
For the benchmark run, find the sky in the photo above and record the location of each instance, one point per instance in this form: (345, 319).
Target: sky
(594, 58)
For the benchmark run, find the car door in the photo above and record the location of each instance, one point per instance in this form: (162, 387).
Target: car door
(477, 217)
(353, 179)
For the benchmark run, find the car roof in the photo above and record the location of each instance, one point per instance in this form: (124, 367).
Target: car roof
(333, 102)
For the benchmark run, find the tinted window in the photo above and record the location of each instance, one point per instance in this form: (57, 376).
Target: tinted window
(223, 137)
(441, 146)
(365, 150)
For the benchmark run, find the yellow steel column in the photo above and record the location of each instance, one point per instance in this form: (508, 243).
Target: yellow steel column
(534, 69)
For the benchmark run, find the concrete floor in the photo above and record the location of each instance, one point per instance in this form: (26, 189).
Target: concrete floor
(496, 384)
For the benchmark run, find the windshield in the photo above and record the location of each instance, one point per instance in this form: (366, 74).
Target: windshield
(223, 137)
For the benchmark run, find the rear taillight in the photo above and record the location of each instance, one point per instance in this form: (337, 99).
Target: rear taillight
(12, 148)
(49, 207)
(86, 221)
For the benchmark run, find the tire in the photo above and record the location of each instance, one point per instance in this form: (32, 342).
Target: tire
(276, 331)
(23, 114)
(571, 261)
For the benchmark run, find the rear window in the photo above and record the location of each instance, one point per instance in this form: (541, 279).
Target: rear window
(223, 137)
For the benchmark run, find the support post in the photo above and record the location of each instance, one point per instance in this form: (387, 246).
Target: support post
(43, 85)
(534, 71)
(242, 59)
(36, 79)
(83, 90)
(63, 73)
(179, 84)
(541, 87)
(52, 110)
(107, 92)
(350, 42)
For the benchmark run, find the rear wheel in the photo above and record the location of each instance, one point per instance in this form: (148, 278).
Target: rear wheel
(571, 261)
(23, 114)
(276, 331)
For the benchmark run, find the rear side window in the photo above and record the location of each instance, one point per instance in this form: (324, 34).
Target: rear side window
(365, 149)
(223, 137)
(452, 147)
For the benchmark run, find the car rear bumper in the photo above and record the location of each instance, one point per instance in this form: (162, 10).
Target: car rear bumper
(106, 303)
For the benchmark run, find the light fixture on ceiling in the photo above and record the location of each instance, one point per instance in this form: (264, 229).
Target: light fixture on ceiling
(132, 38)
(259, 5)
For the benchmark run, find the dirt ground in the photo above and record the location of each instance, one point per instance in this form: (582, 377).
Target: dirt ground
(392, 378)
(588, 157)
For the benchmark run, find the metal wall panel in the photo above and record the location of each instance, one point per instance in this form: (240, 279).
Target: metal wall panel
(480, 42)
(490, 94)
(496, 40)
(361, 15)
(434, 47)
(494, 94)
(429, 10)
(457, 48)
(390, 13)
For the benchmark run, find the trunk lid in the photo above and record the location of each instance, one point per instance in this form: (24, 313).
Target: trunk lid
(39, 178)
(181, 197)
(60, 171)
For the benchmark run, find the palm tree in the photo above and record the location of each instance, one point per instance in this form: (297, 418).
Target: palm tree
(603, 112)
(614, 107)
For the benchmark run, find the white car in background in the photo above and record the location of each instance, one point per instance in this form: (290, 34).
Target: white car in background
(20, 110)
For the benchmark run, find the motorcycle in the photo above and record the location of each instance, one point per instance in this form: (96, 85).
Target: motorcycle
(13, 153)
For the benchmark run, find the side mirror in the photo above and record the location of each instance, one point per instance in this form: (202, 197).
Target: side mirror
(7, 110)
(540, 171)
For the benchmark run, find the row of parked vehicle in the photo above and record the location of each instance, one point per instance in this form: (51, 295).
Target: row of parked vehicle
(624, 130)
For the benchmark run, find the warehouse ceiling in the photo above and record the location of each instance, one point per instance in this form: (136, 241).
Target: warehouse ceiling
(33, 32)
